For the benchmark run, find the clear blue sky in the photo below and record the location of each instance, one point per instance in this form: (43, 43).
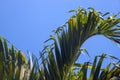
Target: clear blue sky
(28, 23)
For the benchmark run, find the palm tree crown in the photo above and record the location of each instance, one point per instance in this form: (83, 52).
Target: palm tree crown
(58, 59)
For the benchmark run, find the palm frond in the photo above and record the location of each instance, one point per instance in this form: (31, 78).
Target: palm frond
(64, 51)
(79, 28)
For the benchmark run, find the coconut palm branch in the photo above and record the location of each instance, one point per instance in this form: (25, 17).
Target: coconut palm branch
(12, 62)
(14, 65)
(66, 47)
(96, 70)
(58, 59)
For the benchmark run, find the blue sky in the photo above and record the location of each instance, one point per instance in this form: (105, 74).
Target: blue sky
(28, 23)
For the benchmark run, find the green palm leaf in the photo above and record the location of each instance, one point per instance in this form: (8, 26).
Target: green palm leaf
(78, 29)
(62, 54)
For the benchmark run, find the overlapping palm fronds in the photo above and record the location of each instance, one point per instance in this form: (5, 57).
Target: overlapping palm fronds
(96, 70)
(70, 37)
(14, 65)
(12, 62)
(59, 62)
